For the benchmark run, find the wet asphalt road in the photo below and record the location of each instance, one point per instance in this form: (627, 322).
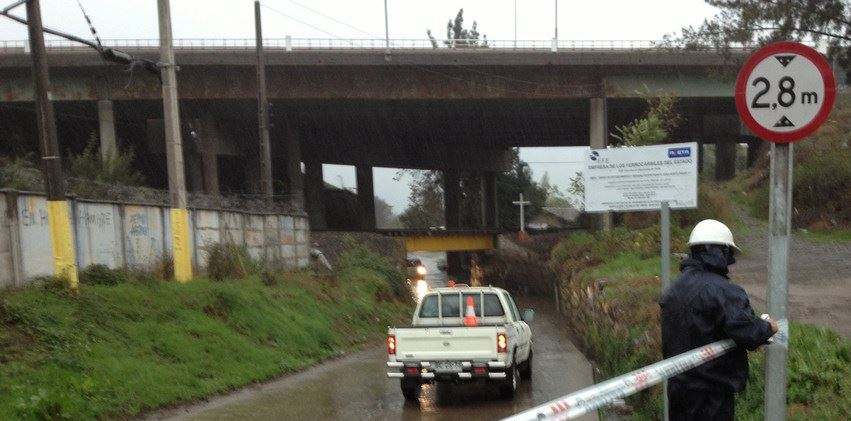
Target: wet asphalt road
(356, 388)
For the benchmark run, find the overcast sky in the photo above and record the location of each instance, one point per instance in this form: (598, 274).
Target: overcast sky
(577, 20)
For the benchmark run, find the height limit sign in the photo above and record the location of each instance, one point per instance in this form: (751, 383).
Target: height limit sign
(785, 91)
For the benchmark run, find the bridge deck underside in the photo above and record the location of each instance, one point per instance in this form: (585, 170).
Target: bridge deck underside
(427, 134)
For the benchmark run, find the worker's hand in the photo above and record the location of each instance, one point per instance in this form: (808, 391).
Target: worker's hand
(773, 325)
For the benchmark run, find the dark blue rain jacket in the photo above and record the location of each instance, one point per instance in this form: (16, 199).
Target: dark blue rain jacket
(702, 307)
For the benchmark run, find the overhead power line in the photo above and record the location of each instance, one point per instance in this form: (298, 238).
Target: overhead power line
(272, 9)
(335, 20)
(108, 54)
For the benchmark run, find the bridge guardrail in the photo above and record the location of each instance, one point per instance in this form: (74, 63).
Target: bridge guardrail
(288, 44)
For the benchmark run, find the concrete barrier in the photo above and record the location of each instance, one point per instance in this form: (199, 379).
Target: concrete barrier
(136, 236)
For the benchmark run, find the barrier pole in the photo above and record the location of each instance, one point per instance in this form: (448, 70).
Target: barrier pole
(603, 394)
(666, 282)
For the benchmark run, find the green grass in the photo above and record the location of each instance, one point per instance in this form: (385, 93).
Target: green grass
(619, 329)
(116, 351)
(830, 237)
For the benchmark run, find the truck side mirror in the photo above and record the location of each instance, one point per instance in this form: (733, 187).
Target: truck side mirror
(528, 315)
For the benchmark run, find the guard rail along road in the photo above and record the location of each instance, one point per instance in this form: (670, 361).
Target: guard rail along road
(603, 394)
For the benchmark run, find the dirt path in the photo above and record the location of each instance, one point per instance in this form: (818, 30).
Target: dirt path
(819, 277)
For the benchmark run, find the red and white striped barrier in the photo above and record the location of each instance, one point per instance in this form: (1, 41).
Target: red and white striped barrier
(603, 394)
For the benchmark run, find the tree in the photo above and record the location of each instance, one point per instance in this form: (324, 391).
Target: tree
(458, 37)
(425, 203)
(655, 126)
(384, 216)
(426, 208)
(509, 186)
(749, 23)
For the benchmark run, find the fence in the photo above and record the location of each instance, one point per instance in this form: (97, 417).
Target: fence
(136, 236)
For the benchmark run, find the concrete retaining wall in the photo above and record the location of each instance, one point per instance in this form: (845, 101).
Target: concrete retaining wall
(136, 236)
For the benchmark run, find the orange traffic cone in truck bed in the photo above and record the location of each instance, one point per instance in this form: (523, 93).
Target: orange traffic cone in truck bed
(470, 315)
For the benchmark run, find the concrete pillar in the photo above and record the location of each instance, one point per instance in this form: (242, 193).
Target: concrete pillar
(725, 158)
(315, 195)
(490, 206)
(452, 212)
(194, 172)
(209, 145)
(366, 198)
(696, 134)
(452, 198)
(295, 184)
(756, 149)
(599, 133)
(106, 124)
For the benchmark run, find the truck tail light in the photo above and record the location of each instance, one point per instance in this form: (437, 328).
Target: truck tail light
(501, 342)
(391, 344)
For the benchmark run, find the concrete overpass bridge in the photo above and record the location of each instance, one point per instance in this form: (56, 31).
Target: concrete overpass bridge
(352, 102)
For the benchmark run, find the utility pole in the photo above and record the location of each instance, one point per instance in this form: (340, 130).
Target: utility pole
(174, 148)
(58, 217)
(262, 109)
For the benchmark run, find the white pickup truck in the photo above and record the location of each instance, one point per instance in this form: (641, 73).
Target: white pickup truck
(438, 347)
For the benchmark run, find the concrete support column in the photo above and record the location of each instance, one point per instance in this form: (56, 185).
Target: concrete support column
(725, 158)
(696, 134)
(194, 172)
(106, 133)
(452, 212)
(295, 184)
(756, 149)
(490, 206)
(315, 195)
(452, 198)
(599, 133)
(209, 145)
(366, 198)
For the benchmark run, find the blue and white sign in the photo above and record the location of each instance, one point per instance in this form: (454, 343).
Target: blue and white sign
(641, 178)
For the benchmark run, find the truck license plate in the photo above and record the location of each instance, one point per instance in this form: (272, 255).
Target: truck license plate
(447, 366)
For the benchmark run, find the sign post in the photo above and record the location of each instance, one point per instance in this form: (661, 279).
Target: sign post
(784, 92)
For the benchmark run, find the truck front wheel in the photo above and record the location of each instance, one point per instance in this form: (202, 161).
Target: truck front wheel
(410, 389)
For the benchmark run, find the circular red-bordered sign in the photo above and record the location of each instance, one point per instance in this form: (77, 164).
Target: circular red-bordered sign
(785, 91)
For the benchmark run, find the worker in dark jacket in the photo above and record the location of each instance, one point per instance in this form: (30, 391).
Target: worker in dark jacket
(702, 307)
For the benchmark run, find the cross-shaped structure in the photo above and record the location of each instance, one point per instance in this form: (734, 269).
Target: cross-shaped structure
(522, 205)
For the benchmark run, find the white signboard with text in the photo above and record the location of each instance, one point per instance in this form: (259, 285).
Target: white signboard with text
(641, 178)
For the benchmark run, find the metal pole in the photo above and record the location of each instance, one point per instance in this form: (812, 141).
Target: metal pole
(556, 22)
(262, 109)
(666, 281)
(386, 30)
(515, 23)
(64, 259)
(174, 148)
(779, 229)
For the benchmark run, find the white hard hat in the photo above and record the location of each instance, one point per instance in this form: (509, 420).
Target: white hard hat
(710, 231)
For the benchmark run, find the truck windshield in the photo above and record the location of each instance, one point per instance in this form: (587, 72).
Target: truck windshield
(451, 305)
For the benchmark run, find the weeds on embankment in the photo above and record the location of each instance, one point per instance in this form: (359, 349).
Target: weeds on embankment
(611, 302)
(120, 347)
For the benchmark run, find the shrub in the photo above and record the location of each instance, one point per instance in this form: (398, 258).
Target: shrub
(102, 275)
(228, 261)
(95, 175)
(357, 256)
